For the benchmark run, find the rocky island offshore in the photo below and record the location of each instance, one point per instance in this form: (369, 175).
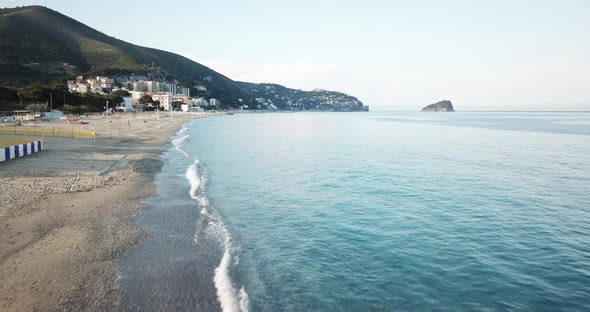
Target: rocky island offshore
(442, 106)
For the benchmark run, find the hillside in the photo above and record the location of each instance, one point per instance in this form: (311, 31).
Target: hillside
(38, 44)
(293, 99)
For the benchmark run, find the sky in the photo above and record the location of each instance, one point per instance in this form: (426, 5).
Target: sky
(398, 55)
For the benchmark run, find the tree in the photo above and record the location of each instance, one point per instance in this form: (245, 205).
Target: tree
(121, 93)
(116, 100)
(146, 99)
(176, 105)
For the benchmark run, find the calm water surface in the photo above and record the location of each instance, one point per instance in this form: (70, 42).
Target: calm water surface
(383, 211)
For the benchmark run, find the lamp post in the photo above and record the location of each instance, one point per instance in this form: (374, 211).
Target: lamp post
(108, 124)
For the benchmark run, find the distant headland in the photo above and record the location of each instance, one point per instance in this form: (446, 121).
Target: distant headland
(442, 106)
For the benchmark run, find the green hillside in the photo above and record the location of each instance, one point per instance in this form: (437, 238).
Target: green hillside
(39, 45)
(293, 99)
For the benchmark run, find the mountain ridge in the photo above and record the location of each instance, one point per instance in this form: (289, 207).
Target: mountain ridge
(38, 44)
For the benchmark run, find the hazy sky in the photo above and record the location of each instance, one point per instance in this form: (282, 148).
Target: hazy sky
(493, 55)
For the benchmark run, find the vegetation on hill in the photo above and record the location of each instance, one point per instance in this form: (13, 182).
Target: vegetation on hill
(293, 99)
(39, 45)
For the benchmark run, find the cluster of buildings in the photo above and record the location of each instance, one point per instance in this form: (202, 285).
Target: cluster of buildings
(165, 93)
(168, 99)
(99, 85)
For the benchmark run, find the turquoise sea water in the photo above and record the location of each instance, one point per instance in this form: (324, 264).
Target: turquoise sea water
(389, 211)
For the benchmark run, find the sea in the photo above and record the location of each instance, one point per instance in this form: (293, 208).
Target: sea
(388, 211)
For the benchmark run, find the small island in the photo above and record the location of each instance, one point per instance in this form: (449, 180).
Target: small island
(442, 106)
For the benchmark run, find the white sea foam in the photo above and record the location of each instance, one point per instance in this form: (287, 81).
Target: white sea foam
(178, 144)
(227, 295)
(192, 175)
(229, 298)
(244, 299)
(183, 130)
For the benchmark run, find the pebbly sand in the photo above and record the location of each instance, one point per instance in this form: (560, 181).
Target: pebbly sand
(66, 213)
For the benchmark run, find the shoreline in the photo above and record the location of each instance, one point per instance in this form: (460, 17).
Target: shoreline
(67, 214)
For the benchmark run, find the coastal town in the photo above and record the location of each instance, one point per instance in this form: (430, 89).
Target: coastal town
(142, 94)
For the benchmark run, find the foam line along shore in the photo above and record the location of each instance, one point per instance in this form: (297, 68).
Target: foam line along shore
(211, 223)
(73, 203)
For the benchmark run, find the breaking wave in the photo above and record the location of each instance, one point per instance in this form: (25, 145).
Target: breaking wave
(193, 177)
(179, 142)
(228, 296)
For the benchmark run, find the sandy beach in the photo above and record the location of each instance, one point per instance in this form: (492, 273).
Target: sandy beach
(66, 213)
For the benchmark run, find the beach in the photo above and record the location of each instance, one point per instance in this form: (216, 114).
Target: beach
(67, 213)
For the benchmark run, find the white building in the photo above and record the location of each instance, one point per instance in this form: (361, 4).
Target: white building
(75, 86)
(82, 88)
(165, 99)
(181, 98)
(153, 86)
(136, 95)
(104, 82)
(214, 102)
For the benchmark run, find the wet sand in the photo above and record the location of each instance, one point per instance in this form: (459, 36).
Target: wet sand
(66, 213)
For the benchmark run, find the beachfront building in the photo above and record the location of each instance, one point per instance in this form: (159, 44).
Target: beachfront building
(181, 99)
(165, 99)
(136, 95)
(127, 103)
(9, 117)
